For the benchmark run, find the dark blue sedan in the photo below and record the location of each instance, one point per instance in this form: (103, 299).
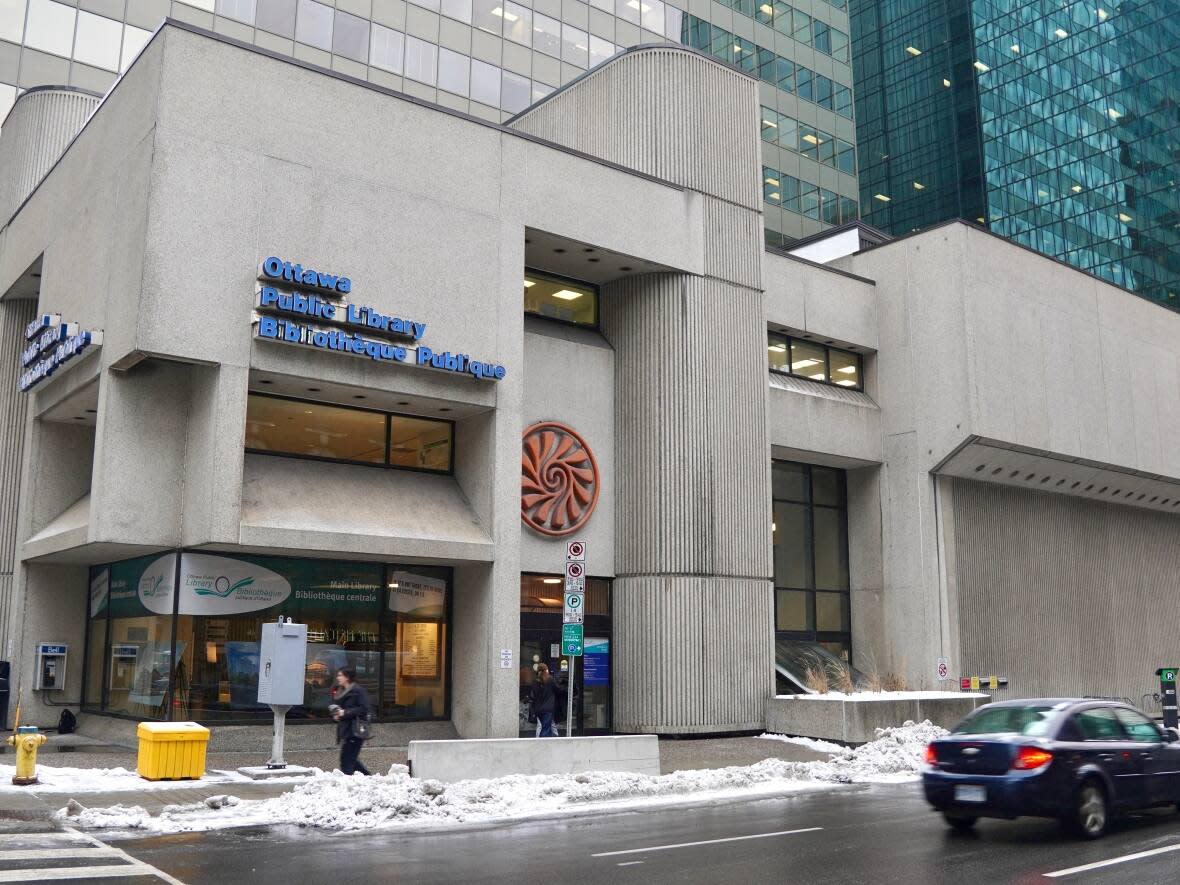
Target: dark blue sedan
(1077, 760)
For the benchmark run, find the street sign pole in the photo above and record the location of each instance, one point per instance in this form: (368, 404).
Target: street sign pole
(569, 701)
(573, 616)
(1167, 677)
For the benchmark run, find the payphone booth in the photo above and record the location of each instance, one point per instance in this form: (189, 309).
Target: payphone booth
(50, 673)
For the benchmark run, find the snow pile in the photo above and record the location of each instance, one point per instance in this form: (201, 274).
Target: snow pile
(336, 801)
(810, 743)
(77, 781)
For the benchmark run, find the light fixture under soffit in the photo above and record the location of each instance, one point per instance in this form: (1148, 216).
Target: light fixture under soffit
(549, 600)
(567, 295)
(913, 50)
(881, 197)
(551, 580)
(529, 283)
(777, 348)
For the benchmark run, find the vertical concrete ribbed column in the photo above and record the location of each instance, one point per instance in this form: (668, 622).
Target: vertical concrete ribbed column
(692, 604)
(36, 133)
(14, 317)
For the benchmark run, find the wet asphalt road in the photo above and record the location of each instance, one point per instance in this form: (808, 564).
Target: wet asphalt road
(873, 834)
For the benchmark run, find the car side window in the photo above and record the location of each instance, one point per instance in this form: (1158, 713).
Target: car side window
(1139, 727)
(1099, 724)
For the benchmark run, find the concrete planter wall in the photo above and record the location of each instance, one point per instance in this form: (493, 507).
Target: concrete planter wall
(854, 719)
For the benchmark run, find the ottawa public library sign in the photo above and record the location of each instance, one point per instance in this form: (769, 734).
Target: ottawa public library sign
(297, 305)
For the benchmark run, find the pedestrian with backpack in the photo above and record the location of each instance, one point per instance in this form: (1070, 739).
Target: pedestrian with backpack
(544, 702)
(353, 714)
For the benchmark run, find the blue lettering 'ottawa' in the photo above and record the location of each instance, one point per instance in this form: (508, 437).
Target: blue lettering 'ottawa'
(275, 268)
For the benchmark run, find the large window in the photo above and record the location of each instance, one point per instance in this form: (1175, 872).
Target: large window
(814, 361)
(560, 299)
(810, 532)
(279, 426)
(390, 623)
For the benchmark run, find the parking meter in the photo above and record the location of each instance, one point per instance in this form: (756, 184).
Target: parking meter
(1167, 677)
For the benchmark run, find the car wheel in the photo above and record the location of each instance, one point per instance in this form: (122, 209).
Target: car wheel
(1089, 815)
(960, 822)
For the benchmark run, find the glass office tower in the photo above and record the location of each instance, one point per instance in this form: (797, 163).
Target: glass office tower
(1053, 123)
(492, 58)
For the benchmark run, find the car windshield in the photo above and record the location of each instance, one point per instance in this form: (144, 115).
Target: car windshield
(1032, 720)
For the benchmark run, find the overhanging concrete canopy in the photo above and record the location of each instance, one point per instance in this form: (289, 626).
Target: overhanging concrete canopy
(988, 460)
(304, 505)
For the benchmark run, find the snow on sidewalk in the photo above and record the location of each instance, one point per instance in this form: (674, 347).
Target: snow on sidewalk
(338, 802)
(79, 781)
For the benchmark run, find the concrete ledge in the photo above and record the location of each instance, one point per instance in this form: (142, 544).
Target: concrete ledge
(464, 760)
(855, 720)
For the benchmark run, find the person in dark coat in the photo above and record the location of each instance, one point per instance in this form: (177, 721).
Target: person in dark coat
(544, 700)
(349, 701)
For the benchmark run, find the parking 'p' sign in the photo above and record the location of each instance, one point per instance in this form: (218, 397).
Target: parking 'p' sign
(575, 551)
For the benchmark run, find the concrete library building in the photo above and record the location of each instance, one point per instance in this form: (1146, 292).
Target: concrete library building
(280, 342)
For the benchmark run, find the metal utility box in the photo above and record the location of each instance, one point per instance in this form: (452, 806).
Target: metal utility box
(282, 664)
(171, 751)
(50, 673)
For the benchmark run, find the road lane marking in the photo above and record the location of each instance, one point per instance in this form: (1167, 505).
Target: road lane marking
(1114, 860)
(628, 863)
(705, 842)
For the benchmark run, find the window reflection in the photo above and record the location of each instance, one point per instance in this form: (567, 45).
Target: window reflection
(809, 360)
(810, 538)
(314, 25)
(298, 428)
(816, 362)
(50, 27)
(12, 20)
(560, 299)
(419, 443)
(97, 42)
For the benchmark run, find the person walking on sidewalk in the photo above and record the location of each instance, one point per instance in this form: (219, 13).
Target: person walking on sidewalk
(544, 701)
(350, 703)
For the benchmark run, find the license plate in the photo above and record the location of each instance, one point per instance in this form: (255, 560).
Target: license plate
(970, 793)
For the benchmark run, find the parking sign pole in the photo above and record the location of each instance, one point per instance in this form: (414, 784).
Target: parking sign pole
(573, 613)
(569, 701)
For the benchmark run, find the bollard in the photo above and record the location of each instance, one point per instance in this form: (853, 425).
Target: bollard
(26, 741)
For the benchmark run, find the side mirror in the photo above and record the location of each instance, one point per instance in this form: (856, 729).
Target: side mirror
(1171, 735)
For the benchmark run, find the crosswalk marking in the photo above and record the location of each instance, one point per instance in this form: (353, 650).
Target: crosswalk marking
(81, 850)
(55, 846)
(52, 836)
(57, 874)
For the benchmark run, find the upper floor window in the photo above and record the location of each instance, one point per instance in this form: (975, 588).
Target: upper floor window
(280, 426)
(814, 361)
(557, 298)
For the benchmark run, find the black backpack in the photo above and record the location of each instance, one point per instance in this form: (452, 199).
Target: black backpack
(67, 723)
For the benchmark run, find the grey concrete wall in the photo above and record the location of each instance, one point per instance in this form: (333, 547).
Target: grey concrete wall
(1064, 596)
(981, 338)
(570, 379)
(36, 132)
(14, 317)
(820, 300)
(692, 603)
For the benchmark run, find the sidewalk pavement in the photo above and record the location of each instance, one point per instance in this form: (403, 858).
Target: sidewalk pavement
(31, 804)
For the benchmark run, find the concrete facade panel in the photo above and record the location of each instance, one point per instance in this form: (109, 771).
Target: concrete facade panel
(584, 402)
(1055, 593)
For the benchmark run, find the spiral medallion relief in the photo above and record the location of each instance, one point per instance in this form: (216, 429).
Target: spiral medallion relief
(559, 479)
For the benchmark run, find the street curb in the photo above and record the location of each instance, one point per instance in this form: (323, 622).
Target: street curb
(568, 814)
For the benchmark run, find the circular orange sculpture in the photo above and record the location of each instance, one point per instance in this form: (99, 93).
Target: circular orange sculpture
(559, 479)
